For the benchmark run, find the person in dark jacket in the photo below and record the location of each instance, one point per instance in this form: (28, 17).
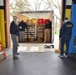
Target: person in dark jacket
(14, 31)
(47, 31)
(65, 36)
(23, 25)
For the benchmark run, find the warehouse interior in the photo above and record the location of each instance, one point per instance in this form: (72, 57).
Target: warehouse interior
(36, 57)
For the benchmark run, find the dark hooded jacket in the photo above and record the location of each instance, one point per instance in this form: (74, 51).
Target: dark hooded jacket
(14, 29)
(66, 29)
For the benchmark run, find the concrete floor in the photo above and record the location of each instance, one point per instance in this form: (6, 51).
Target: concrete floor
(37, 63)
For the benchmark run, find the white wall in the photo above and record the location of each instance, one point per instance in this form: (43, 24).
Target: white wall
(68, 2)
(1, 3)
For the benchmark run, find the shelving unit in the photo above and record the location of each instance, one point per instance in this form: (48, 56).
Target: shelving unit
(34, 33)
(30, 33)
(40, 32)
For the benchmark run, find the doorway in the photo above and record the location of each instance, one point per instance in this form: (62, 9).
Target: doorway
(34, 36)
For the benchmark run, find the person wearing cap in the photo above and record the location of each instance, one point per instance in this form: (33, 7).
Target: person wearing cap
(65, 36)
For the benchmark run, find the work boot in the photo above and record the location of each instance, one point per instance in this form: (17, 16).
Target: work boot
(18, 54)
(15, 57)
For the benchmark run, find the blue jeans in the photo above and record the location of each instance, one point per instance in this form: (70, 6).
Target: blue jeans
(63, 40)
